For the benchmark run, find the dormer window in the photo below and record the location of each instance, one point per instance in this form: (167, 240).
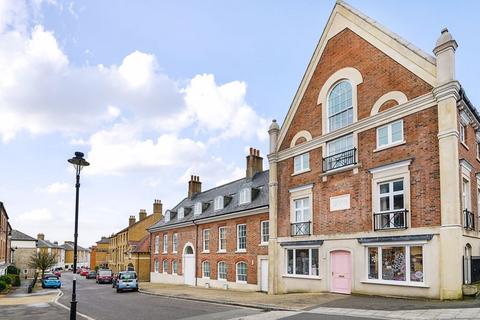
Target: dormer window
(340, 106)
(219, 203)
(181, 213)
(197, 209)
(245, 195)
(167, 216)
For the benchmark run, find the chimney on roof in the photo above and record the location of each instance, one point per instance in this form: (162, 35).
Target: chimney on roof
(254, 163)
(142, 214)
(157, 207)
(131, 220)
(40, 236)
(55, 243)
(194, 186)
(445, 54)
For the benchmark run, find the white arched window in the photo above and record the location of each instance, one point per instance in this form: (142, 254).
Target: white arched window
(155, 266)
(241, 272)
(206, 269)
(340, 106)
(222, 271)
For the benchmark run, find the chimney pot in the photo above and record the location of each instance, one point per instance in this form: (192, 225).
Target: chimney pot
(254, 163)
(142, 214)
(157, 207)
(131, 220)
(40, 236)
(194, 186)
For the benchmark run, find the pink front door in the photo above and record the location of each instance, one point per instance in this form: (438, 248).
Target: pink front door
(341, 272)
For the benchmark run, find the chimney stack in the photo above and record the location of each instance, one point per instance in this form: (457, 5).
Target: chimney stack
(40, 236)
(194, 186)
(254, 163)
(142, 214)
(157, 207)
(55, 243)
(445, 54)
(131, 220)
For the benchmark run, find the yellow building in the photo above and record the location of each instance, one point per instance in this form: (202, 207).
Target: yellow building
(53, 248)
(83, 255)
(129, 249)
(99, 254)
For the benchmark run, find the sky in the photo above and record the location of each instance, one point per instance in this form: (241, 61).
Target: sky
(155, 91)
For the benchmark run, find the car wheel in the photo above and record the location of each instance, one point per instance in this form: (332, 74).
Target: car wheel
(118, 290)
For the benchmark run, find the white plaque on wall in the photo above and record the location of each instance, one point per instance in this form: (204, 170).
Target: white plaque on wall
(340, 202)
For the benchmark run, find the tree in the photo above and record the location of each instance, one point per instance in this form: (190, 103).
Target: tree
(42, 261)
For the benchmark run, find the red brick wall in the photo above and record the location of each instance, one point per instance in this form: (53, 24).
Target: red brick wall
(420, 133)
(381, 74)
(187, 234)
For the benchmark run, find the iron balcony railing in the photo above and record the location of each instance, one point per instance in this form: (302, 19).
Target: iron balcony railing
(468, 220)
(300, 228)
(390, 220)
(340, 160)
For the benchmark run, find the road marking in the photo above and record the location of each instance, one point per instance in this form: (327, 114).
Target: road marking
(59, 295)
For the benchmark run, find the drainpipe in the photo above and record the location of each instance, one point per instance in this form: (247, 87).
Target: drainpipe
(196, 250)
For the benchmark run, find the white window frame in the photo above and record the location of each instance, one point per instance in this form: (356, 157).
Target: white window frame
(167, 216)
(303, 161)
(245, 196)
(165, 266)
(174, 242)
(331, 142)
(262, 232)
(218, 271)
(408, 281)
(390, 196)
(466, 194)
(206, 240)
(220, 238)
(157, 244)
(302, 209)
(463, 133)
(238, 237)
(197, 210)
(204, 263)
(175, 267)
(310, 269)
(218, 203)
(181, 213)
(165, 243)
(352, 107)
(390, 142)
(237, 274)
(156, 265)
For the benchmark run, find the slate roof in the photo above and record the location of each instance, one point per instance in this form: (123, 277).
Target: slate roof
(104, 240)
(69, 246)
(259, 183)
(46, 244)
(142, 246)
(20, 236)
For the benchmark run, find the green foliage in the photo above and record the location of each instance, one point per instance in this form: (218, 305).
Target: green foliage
(6, 279)
(15, 279)
(42, 261)
(3, 285)
(11, 269)
(96, 268)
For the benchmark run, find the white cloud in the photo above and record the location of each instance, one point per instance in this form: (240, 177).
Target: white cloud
(58, 187)
(36, 215)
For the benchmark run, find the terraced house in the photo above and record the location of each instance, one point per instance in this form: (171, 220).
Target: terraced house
(374, 174)
(218, 237)
(46, 246)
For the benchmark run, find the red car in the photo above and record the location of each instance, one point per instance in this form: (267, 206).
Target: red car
(104, 276)
(84, 272)
(57, 273)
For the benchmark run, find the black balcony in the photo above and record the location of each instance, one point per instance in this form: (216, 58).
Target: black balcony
(339, 160)
(390, 220)
(468, 220)
(300, 228)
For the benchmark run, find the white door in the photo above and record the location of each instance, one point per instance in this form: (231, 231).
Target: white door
(264, 275)
(189, 269)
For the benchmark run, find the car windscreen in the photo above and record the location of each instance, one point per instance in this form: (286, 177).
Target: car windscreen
(105, 272)
(128, 275)
(51, 278)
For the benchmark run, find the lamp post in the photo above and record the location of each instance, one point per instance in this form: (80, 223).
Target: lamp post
(78, 163)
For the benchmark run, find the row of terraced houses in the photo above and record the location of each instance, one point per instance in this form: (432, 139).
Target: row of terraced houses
(373, 183)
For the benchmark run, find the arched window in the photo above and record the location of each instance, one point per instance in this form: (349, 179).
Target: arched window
(155, 266)
(241, 272)
(222, 271)
(165, 266)
(206, 269)
(340, 106)
(174, 267)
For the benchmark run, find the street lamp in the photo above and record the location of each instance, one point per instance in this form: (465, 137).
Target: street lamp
(78, 163)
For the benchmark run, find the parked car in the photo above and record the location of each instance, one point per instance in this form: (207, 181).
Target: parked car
(104, 276)
(57, 273)
(91, 275)
(51, 281)
(127, 280)
(84, 272)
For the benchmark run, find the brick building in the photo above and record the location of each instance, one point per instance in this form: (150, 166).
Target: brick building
(5, 239)
(99, 254)
(24, 247)
(373, 174)
(218, 237)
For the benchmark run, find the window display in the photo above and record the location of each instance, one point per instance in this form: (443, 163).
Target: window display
(302, 262)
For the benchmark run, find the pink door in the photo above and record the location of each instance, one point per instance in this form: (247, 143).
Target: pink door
(341, 272)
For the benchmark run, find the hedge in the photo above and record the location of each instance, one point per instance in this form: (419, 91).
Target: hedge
(3, 285)
(15, 279)
(6, 279)
(11, 269)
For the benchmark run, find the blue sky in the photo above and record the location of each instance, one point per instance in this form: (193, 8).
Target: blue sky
(153, 91)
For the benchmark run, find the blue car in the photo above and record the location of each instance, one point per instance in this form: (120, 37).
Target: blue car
(51, 281)
(127, 280)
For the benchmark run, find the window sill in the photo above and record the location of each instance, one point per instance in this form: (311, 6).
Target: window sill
(222, 251)
(463, 144)
(388, 146)
(206, 251)
(241, 251)
(300, 172)
(298, 276)
(396, 283)
(241, 282)
(164, 252)
(339, 170)
(263, 244)
(206, 278)
(174, 252)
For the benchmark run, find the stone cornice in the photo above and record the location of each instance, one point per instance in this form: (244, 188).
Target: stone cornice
(447, 90)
